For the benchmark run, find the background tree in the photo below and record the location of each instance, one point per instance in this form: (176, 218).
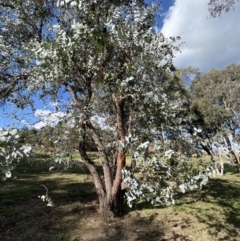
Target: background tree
(216, 105)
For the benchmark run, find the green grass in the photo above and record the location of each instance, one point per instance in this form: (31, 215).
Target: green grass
(211, 214)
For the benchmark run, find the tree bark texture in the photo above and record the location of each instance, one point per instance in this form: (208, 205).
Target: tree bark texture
(109, 191)
(108, 188)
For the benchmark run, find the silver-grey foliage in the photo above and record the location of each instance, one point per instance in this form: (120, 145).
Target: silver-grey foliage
(105, 59)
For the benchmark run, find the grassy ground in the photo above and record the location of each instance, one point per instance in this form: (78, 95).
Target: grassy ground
(212, 214)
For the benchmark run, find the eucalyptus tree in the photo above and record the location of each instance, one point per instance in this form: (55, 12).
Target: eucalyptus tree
(216, 105)
(104, 59)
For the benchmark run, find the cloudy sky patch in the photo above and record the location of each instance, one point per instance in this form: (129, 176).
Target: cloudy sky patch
(208, 42)
(47, 118)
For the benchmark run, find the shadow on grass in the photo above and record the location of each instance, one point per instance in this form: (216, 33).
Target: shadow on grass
(229, 168)
(226, 194)
(217, 207)
(139, 228)
(24, 216)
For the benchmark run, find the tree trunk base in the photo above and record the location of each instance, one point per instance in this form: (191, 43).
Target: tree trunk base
(113, 207)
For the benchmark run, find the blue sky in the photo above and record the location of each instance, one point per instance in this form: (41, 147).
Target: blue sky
(208, 43)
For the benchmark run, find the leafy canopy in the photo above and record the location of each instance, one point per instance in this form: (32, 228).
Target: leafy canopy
(104, 59)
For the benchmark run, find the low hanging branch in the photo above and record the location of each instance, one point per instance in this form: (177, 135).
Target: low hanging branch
(46, 197)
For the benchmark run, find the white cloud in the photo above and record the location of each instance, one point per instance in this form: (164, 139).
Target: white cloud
(209, 43)
(47, 118)
(54, 103)
(101, 121)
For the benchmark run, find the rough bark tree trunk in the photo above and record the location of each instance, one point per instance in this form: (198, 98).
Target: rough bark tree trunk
(111, 207)
(109, 191)
(235, 157)
(221, 172)
(109, 201)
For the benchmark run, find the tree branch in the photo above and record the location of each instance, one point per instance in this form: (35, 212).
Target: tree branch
(5, 92)
(77, 102)
(103, 155)
(127, 96)
(90, 165)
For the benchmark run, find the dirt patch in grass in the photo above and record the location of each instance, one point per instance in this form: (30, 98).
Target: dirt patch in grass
(212, 214)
